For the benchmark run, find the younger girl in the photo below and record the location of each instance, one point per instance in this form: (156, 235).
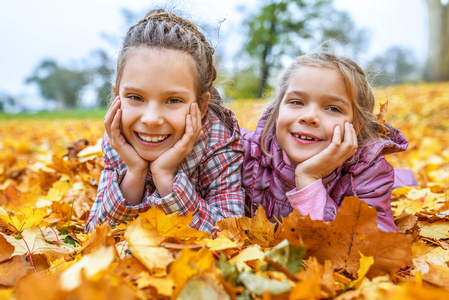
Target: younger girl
(317, 142)
(168, 143)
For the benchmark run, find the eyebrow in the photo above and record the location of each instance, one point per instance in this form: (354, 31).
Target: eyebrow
(182, 91)
(331, 97)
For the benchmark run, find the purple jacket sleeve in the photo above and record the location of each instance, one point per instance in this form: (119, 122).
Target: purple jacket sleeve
(374, 186)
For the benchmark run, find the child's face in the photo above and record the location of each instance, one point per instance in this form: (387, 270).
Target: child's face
(156, 90)
(315, 102)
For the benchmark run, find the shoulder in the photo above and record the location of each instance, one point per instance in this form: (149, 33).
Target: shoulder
(218, 134)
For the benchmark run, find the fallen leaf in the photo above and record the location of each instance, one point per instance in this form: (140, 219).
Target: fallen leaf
(437, 230)
(6, 249)
(88, 266)
(163, 286)
(97, 239)
(250, 253)
(33, 242)
(353, 231)
(188, 264)
(171, 225)
(198, 288)
(25, 217)
(259, 285)
(14, 269)
(259, 229)
(144, 245)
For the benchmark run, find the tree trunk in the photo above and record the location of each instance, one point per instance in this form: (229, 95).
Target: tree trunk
(265, 63)
(265, 71)
(437, 65)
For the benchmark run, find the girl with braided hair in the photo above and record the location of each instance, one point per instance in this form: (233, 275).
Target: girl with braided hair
(169, 142)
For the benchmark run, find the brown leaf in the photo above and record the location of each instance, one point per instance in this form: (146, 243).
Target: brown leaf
(6, 249)
(14, 269)
(380, 119)
(231, 228)
(354, 230)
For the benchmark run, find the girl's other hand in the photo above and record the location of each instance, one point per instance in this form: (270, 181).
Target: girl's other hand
(323, 163)
(112, 121)
(164, 168)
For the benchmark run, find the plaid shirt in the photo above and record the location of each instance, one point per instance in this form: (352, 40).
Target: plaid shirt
(208, 182)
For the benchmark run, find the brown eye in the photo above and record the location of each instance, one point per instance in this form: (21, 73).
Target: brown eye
(175, 100)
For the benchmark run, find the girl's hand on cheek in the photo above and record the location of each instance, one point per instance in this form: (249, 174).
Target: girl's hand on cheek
(164, 168)
(129, 155)
(323, 163)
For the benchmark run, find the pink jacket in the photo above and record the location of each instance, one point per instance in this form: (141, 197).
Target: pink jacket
(270, 180)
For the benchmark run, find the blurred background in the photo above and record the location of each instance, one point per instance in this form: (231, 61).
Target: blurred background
(60, 55)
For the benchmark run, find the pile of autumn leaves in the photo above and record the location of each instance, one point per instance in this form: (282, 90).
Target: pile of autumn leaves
(48, 180)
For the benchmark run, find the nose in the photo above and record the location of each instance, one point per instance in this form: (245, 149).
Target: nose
(309, 116)
(152, 115)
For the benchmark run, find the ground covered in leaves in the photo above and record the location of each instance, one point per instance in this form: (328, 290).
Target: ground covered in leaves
(49, 172)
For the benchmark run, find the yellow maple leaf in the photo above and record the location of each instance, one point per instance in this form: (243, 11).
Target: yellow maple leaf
(259, 229)
(171, 225)
(144, 245)
(25, 217)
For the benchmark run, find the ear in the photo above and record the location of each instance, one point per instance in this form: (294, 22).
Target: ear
(204, 103)
(114, 89)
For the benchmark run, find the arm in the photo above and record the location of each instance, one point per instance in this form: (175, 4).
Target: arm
(132, 185)
(313, 200)
(110, 200)
(220, 182)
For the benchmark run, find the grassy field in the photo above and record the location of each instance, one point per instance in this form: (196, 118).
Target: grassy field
(55, 115)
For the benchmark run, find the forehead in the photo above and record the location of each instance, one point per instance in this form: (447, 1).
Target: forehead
(176, 59)
(318, 80)
(160, 52)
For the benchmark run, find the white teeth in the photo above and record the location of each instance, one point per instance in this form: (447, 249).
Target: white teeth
(153, 139)
(303, 137)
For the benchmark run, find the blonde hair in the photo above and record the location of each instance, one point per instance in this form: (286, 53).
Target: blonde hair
(164, 30)
(359, 89)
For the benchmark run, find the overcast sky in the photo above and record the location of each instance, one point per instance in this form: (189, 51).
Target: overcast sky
(68, 30)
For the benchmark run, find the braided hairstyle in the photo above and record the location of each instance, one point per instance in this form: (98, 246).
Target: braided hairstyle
(165, 30)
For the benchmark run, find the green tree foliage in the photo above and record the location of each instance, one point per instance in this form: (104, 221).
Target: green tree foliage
(58, 83)
(100, 76)
(288, 27)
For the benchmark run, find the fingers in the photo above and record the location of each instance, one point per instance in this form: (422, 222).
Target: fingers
(111, 113)
(343, 149)
(350, 139)
(195, 119)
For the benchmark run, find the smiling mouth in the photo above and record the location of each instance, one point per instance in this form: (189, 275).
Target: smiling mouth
(152, 139)
(306, 138)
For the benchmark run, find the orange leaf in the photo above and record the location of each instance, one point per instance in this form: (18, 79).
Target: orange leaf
(14, 269)
(353, 231)
(6, 249)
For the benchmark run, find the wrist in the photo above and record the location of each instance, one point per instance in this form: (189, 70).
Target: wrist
(164, 182)
(302, 181)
